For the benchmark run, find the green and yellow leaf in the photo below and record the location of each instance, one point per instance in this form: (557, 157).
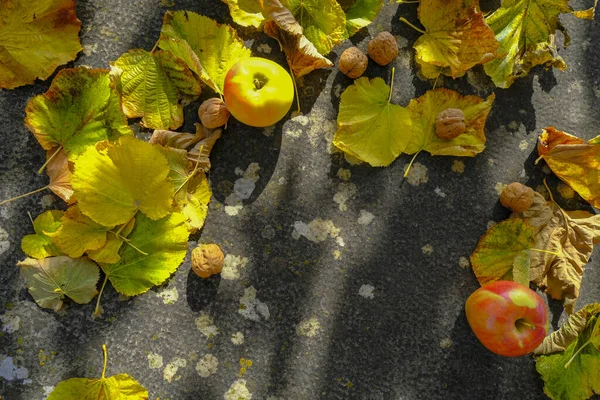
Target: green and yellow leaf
(152, 85)
(246, 12)
(35, 38)
(370, 128)
(79, 110)
(40, 245)
(112, 181)
(164, 246)
(208, 48)
(109, 253)
(51, 279)
(425, 109)
(500, 252)
(360, 14)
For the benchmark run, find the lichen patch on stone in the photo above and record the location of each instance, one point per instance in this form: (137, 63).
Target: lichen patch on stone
(417, 174)
(427, 249)
(237, 338)
(171, 369)
(345, 192)
(207, 366)
(316, 230)
(232, 266)
(308, 327)
(155, 361)
(238, 391)
(205, 324)
(366, 291)
(252, 308)
(169, 296)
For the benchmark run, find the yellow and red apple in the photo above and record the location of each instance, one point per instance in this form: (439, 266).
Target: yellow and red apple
(508, 318)
(258, 92)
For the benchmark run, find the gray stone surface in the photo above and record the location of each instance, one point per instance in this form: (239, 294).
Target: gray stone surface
(372, 311)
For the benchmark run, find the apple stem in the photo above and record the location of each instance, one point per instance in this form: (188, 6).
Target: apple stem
(259, 81)
(520, 323)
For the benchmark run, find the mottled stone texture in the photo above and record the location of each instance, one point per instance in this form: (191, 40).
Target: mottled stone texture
(371, 307)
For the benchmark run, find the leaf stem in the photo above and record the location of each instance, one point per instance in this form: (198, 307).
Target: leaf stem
(550, 192)
(193, 173)
(97, 309)
(411, 163)
(392, 84)
(412, 26)
(436, 79)
(49, 159)
(577, 353)
(3, 202)
(548, 252)
(295, 88)
(105, 351)
(124, 239)
(30, 218)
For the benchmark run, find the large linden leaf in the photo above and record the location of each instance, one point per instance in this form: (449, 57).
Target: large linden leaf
(116, 387)
(80, 109)
(246, 12)
(369, 127)
(51, 279)
(302, 56)
(456, 37)
(35, 38)
(574, 161)
(574, 374)
(360, 14)
(559, 340)
(567, 240)
(164, 243)
(40, 245)
(425, 109)
(150, 84)
(501, 250)
(78, 233)
(208, 48)
(525, 30)
(112, 181)
(323, 21)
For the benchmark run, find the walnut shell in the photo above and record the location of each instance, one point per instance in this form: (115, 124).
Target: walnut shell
(383, 49)
(207, 260)
(213, 113)
(517, 197)
(450, 124)
(353, 62)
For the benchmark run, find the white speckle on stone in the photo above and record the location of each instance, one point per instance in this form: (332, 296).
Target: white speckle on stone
(340, 241)
(366, 291)
(500, 187)
(446, 343)
(89, 48)
(169, 296)
(155, 361)
(268, 232)
(316, 230)
(417, 174)
(237, 338)
(232, 266)
(513, 125)
(238, 391)
(523, 174)
(243, 188)
(269, 131)
(281, 181)
(491, 162)
(205, 324)
(9, 371)
(346, 191)
(427, 249)
(233, 210)
(439, 192)
(524, 145)
(171, 369)
(4, 243)
(47, 201)
(576, 87)
(10, 322)
(252, 308)
(490, 224)
(47, 390)
(458, 166)
(308, 327)
(264, 48)
(337, 254)
(4, 213)
(464, 263)
(207, 366)
(365, 217)
(293, 132)
(337, 90)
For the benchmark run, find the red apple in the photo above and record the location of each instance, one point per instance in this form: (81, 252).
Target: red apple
(258, 92)
(508, 318)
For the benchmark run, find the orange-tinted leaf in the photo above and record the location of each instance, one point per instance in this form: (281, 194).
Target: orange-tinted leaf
(574, 161)
(59, 171)
(456, 37)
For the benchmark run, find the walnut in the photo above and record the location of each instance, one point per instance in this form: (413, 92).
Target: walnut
(383, 49)
(517, 197)
(213, 113)
(207, 260)
(353, 62)
(450, 124)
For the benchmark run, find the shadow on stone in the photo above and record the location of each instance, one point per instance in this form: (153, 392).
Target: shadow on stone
(201, 292)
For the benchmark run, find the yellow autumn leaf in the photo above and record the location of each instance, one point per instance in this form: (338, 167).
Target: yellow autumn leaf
(456, 38)
(109, 253)
(424, 110)
(112, 181)
(35, 38)
(526, 32)
(574, 161)
(370, 128)
(246, 12)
